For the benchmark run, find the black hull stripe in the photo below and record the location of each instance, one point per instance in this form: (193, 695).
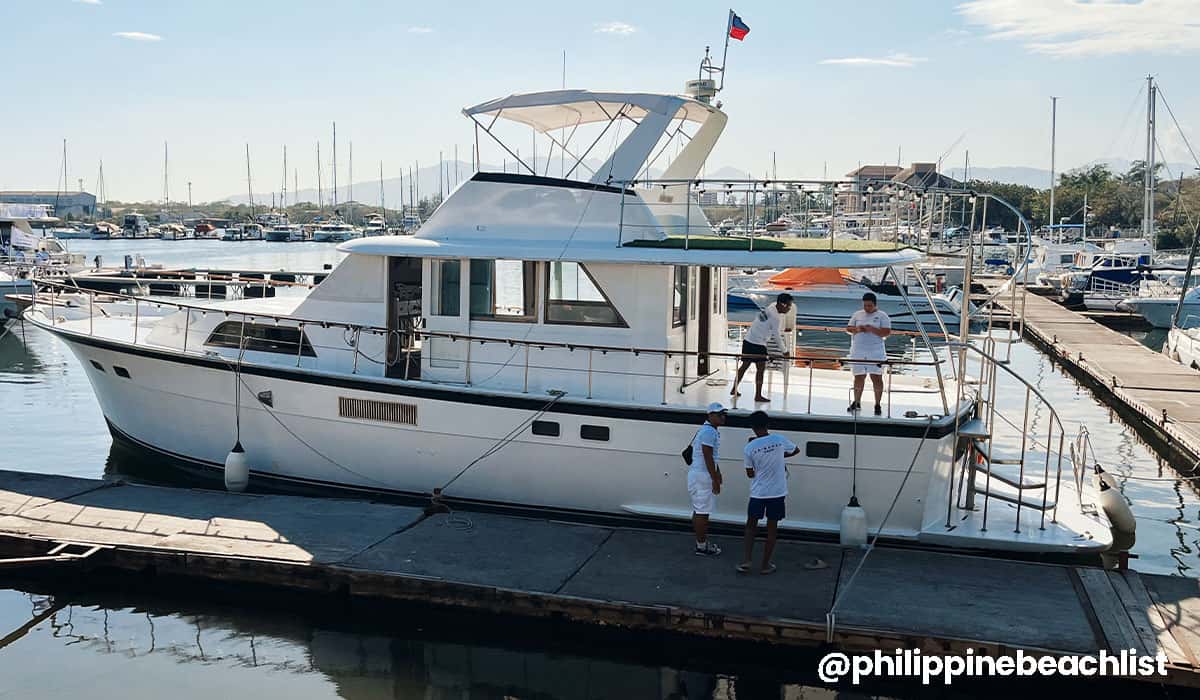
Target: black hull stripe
(843, 426)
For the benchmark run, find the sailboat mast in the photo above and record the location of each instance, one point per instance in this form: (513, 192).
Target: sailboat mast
(335, 191)
(320, 194)
(1053, 126)
(1148, 164)
(350, 199)
(283, 199)
(166, 184)
(66, 180)
(249, 187)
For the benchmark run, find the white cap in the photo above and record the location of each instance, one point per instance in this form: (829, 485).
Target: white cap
(716, 407)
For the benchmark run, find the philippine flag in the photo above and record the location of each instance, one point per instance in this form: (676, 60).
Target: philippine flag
(737, 28)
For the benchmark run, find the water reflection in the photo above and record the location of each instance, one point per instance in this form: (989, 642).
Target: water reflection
(116, 647)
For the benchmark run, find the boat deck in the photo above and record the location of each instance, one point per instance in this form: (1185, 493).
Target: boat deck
(632, 579)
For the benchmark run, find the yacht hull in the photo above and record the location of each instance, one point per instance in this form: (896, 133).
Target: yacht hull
(1161, 312)
(184, 406)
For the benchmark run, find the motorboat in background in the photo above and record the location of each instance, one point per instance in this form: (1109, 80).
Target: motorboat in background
(828, 297)
(375, 225)
(334, 232)
(242, 232)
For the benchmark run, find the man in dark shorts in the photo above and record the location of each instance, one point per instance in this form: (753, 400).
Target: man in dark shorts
(766, 326)
(768, 488)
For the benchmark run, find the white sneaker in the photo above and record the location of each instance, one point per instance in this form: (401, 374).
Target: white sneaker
(707, 549)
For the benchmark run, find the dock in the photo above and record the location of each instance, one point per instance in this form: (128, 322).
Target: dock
(624, 577)
(1147, 387)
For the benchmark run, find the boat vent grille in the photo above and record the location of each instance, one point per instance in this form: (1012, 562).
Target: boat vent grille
(383, 411)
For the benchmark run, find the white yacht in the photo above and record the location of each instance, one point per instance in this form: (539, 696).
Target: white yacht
(1157, 298)
(1183, 346)
(375, 225)
(550, 345)
(334, 232)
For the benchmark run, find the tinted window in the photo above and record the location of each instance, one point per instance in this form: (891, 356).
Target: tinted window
(503, 289)
(593, 432)
(447, 276)
(548, 428)
(823, 450)
(285, 340)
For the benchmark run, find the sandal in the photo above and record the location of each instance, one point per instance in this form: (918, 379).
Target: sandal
(771, 568)
(743, 568)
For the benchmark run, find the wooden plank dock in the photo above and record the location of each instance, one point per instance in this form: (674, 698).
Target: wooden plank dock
(1156, 392)
(593, 575)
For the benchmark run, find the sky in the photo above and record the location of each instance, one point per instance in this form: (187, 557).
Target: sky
(819, 87)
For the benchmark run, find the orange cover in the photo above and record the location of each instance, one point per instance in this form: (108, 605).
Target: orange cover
(794, 277)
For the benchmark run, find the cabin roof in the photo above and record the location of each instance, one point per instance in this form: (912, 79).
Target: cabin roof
(700, 250)
(557, 109)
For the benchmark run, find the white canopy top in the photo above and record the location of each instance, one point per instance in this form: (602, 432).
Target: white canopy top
(557, 109)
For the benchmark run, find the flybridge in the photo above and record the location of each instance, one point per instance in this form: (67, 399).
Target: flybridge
(658, 121)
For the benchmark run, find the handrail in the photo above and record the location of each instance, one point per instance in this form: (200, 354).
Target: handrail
(379, 330)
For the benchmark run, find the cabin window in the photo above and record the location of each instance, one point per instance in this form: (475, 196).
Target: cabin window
(97, 365)
(679, 302)
(447, 278)
(546, 428)
(821, 450)
(503, 290)
(594, 432)
(260, 337)
(572, 296)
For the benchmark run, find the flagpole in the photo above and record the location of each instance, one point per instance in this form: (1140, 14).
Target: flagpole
(724, 54)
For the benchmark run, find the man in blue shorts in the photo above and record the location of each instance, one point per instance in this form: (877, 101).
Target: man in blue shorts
(768, 487)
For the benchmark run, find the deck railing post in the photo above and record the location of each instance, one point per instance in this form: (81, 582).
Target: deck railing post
(810, 386)
(54, 314)
(1046, 473)
(589, 389)
(621, 217)
(468, 362)
(91, 322)
(357, 336)
(187, 326)
(687, 217)
(136, 318)
(1021, 470)
(666, 360)
(1058, 479)
(526, 389)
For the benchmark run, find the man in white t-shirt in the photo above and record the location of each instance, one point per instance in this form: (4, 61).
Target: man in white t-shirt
(867, 328)
(704, 477)
(764, 456)
(764, 330)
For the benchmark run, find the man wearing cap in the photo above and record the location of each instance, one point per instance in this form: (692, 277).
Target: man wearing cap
(704, 477)
(867, 328)
(764, 330)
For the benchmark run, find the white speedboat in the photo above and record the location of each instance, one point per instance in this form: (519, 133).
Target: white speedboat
(827, 297)
(544, 344)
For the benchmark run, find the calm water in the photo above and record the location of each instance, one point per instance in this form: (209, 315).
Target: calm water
(141, 648)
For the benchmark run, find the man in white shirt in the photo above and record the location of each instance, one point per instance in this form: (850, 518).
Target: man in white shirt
(764, 456)
(704, 477)
(763, 331)
(867, 328)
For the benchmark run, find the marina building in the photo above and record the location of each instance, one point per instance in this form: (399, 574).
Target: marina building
(72, 204)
